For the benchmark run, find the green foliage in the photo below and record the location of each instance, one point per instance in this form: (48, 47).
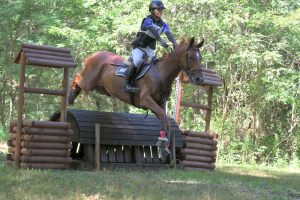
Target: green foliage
(253, 45)
(3, 135)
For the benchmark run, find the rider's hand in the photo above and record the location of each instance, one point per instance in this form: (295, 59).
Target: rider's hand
(175, 45)
(164, 44)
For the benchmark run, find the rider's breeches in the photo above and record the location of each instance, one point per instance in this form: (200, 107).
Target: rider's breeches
(138, 54)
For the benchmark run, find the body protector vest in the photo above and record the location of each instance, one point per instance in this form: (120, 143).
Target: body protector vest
(144, 37)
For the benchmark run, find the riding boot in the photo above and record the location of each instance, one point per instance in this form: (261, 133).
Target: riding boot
(130, 77)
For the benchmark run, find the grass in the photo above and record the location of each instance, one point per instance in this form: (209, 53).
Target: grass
(226, 182)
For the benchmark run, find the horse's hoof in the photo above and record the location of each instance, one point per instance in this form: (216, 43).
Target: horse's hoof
(172, 164)
(166, 159)
(164, 152)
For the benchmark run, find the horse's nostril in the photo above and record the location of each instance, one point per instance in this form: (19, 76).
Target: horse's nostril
(73, 94)
(71, 98)
(198, 80)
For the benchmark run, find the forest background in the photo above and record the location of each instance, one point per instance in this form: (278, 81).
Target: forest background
(253, 45)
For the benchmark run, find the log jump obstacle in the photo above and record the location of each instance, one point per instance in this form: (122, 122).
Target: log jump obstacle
(41, 144)
(127, 140)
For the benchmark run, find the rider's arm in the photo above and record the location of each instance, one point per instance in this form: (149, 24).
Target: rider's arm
(154, 32)
(148, 24)
(169, 35)
(171, 38)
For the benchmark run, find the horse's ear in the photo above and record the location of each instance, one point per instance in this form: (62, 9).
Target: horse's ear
(192, 41)
(200, 44)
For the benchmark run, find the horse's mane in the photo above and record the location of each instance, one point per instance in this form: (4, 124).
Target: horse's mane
(183, 44)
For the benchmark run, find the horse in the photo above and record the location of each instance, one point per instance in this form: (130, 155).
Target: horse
(99, 73)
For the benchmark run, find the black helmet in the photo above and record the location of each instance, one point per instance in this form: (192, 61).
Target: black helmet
(156, 4)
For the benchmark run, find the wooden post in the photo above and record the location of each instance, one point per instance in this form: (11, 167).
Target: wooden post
(178, 101)
(208, 114)
(174, 151)
(97, 146)
(137, 155)
(20, 109)
(65, 83)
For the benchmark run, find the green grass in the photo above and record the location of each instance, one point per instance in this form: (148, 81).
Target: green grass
(3, 135)
(226, 182)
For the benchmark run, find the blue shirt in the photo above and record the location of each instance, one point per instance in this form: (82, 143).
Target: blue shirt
(149, 22)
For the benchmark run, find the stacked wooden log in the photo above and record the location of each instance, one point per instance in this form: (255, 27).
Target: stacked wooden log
(44, 144)
(199, 151)
(210, 77)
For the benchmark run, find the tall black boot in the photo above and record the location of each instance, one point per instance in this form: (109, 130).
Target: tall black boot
(129, 78)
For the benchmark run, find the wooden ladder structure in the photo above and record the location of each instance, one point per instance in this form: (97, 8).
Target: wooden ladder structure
(211, 80)
(41, 56)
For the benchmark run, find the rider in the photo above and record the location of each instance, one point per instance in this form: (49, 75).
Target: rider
(144, 44)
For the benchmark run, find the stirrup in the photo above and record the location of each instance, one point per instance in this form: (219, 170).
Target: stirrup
(129, 88)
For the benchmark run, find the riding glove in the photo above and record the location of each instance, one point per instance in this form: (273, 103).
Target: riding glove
(164, 44)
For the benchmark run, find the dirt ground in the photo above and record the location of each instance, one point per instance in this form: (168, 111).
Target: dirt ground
(3, 147)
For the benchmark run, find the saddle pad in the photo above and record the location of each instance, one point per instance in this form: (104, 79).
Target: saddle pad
(123, 71)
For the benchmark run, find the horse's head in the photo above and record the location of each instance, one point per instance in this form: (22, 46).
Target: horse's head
(190, 59)
(75, 89)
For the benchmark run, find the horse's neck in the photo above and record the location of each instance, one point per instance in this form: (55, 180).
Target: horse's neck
(169, 69)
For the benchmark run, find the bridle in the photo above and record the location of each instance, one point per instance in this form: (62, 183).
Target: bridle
(187, 69)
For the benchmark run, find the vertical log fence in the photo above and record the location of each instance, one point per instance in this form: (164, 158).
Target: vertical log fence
(40, 56)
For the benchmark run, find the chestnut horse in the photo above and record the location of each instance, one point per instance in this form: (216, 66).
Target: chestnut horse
(99, 73)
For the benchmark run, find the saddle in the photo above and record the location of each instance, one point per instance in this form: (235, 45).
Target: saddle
(122, 70)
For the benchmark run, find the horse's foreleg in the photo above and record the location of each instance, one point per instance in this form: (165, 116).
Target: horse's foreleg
(170, 134)
(160, 113)
(167, 121)
(163, 141)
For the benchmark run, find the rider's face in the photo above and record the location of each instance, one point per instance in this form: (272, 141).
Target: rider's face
(158, 12)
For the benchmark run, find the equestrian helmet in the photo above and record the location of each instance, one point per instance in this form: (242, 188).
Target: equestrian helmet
(156, 4)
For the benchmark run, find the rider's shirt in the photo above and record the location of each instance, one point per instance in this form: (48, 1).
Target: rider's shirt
(144, 37)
